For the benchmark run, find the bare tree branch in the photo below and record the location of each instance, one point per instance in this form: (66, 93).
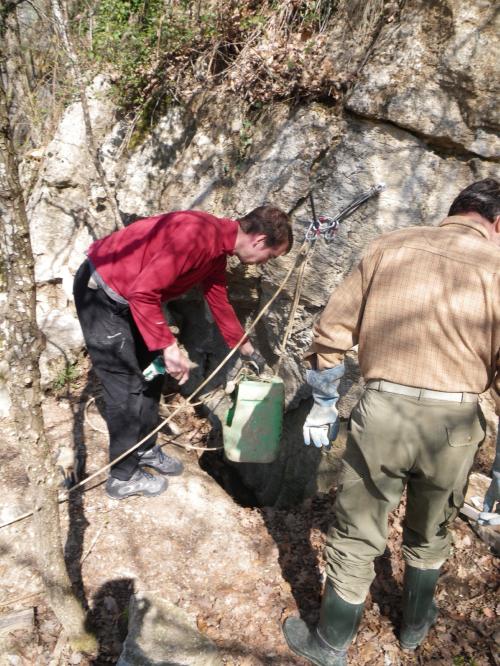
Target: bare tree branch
(22, 345)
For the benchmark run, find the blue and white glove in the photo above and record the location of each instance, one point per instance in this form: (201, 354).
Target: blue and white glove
(322, 424)
(487, 515)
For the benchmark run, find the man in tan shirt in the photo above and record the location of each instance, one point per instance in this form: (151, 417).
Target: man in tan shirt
(424, 307)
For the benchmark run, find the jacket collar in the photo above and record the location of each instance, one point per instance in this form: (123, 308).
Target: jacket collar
(464, 221)
(229, 229)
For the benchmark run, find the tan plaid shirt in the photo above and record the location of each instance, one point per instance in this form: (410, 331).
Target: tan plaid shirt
(424, 307)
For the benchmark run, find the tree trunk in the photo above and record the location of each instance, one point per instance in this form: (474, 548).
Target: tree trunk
(23, 342)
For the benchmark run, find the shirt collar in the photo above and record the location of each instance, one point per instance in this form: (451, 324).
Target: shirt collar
(464, 221)
(229, 233)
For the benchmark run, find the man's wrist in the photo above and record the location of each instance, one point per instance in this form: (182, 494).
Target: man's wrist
(247, 349)
(172, 348)
(325, 382)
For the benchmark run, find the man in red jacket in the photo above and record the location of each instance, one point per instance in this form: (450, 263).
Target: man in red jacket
(119, 291)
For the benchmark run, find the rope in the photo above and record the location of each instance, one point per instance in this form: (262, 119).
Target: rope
(328, 230)
(87, 420)
(300, 278)
(303, 253)
(103, 431)
(187, 402)
(191, 447)
(296, 299)
(170, 441)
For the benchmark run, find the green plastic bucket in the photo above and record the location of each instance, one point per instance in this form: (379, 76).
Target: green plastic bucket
(252, 430)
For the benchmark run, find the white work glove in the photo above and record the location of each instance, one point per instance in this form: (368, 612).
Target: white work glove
(488, 516)
(321, 426)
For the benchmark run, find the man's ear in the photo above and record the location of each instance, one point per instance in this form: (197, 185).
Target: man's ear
(496, 224)
(259, 239)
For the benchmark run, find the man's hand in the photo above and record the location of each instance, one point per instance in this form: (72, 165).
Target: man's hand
(256, 361)
(251, 357)
(177, 363)
(492, 497)
(321, 426)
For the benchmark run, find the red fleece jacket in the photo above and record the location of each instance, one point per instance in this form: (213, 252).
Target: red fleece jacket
(161, 257)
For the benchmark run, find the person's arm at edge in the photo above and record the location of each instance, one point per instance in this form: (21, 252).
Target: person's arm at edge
(337, 329)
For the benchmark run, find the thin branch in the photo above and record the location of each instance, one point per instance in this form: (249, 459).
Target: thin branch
(94, 541)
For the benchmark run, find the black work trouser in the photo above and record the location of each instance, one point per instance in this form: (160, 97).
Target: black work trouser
(119, 355)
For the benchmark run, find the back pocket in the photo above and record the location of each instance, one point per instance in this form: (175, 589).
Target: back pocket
(466, 434)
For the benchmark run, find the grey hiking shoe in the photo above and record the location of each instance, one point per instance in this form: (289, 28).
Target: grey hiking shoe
(140, 483)
(159, 461)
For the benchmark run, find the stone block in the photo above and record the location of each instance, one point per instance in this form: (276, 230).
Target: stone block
(162, 634)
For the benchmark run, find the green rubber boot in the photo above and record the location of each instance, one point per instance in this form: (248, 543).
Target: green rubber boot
(327, 644)
(419, 609)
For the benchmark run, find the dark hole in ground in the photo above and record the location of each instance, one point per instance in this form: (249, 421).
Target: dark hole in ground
(228, 477)
(211, 462)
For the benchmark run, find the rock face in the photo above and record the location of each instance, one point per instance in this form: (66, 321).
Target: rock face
(436, 74)
(190, 560)
(421, 116)
(66, 212)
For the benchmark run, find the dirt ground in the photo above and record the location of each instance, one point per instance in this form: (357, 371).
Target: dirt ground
(238, 573)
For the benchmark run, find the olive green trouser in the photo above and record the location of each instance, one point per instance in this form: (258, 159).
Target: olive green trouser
(394, 442)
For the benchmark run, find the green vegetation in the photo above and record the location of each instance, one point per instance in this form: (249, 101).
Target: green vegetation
(144, 39)
(246, 138)
(464, 661)
(167, 49)
(68, 374)
(136, 36)
(160, 52)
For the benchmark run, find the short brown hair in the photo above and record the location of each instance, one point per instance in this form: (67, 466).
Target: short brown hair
(481, 197)
(272, 222)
